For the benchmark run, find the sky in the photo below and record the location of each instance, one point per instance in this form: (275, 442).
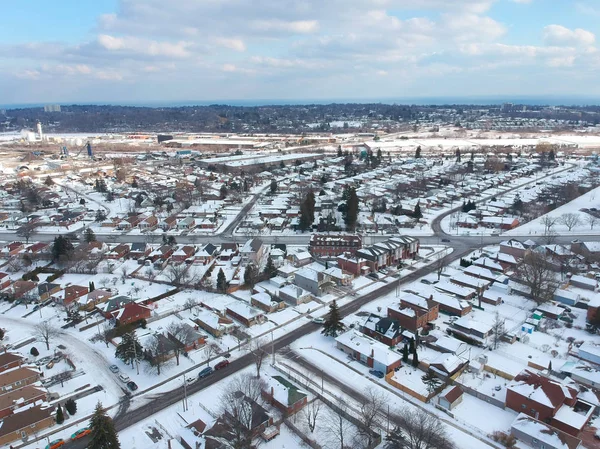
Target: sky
(178, 51)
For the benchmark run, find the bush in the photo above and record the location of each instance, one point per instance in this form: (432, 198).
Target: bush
(143, 323)
(71, 406)
(60, 417)
(508, 441)
(34, 352)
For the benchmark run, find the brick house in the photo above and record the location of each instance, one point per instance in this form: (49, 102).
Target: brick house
(248, 316)
(10, 360)
(19, 398)
(93, 298)
(514, 248)
(384, 329)
(26, 424)
(414, 312)
(132, 312)
(252, 251)
(12, 249)
(471, 328)
(22, 288)
(284, 395)
(189, 339)
(71, 293)
(368, 351)
(183, 253)
(18, 377)
(118, 252)
(139, 250)
(213, 323)
(331, 245)
(549, 401)
(356, 266)
(47, 289)
(4, 280)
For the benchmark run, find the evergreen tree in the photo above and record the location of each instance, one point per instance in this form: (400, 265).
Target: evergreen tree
(103, 433)
(411, 346)
(417, 212)
(71, 406)
(49, 182)
(223, 192)
(130, 349)
(396, 439)
(89, 235)
(273, 187)
(134, 183)
(250, 275)
(405, 353)
(351, 209)
(34, 352)
(61, 247)
(270, 269)
(92, 287)
(100, 215)
(110, 196)
(431, 381)
(339, 151)
(333, 322)
(418, 152)
(60, 416)
(222, 281)
(415, 359)
(171, 240)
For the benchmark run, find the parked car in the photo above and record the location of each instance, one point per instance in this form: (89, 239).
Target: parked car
(132, 385)
(318, 320)
(426, 281)
(113, 369)
(377, 373)
(446, 240)
(222, 364)
(124, 378)
(81, 433)
(50, 365)
(55, 444)
(205, 372)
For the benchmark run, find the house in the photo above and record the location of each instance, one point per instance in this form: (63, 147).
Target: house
(313, 280)
(213, 323)
(112, 304)
(4, 280)
(139, 250)
(550, 401)
(446, 366)
(464, 280)
(189, 338)
(245, 314)
(481, 273)
(132, 312)
(182, 253)
(464, 293)
(338, 276)
(253, 251)
(47, 289)
(294, 295)
(583, 282)
(168, 223)
(118, 252)
(356, 266)
(148, 223)
(471, 328)
(331, 245)
(383, 329)
(450, 397)
(301, 259)
(368, 351)
(18, 377)
(207, 253)
(27, 423)
(70, 294)
(414, 312)
(514, 248)
(162, 253)
(504, 223)
(284, 395)
(186, 223)
(93, 298)
(12, 249)
(539, 435)
(228, 251)
(451, 305)
(589, 351)
(10, 360)
(19, 398)
(266, 302)
(20, 289)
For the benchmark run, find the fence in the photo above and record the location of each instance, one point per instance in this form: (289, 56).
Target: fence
(301, 434)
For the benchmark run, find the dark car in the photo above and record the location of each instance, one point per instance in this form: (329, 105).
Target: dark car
(132, 385)
(377, 373)
(205, 372)
(446, 240)
(222, 364)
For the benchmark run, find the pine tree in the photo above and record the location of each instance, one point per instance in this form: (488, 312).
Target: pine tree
(270, 269)
(418, 152)
(71, 406)
(405, 353)
(92, 286)
(333, 322)
(339, 151)
(430, 381)
(411, 346)
(49, 182)
(417, 212)
(222, 281)
(273, 187)
(130, 349)
(61, 247)
(415, 359)
(351, 209)
(89, 235)
(103, 433)
(60, 417)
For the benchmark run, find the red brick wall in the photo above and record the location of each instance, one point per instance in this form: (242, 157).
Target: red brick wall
(515, 402)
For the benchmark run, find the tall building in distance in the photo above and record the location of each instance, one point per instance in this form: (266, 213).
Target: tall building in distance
(52, 108)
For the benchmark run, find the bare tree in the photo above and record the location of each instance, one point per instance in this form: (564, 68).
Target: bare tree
(46, 331)
(420, 430)
(369, 413)
(311, 413)
(498, 330)
(123, 274)
(548, 223)
(238, 409)
(177, 274)
(150, 274)
(105, 281)
(337, 426)
(535, 272)
(157, 352)
(591, 220)
(179, 334)
(256, 348)
(105, 334)
(570, 220)
(210, 350)
(27, 230)
(63, 376)
(439, 266)
(190, 304)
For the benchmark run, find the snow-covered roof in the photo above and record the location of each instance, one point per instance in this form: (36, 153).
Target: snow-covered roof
(369, 347)
(544, 433)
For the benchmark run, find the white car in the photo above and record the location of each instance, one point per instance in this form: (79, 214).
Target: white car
(318, 320)
(124, 378)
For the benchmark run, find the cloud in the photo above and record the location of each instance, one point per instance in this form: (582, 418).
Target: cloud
(232, 44)
(561, 36)
(133, 45)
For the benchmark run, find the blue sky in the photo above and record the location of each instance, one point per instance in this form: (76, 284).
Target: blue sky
(143, 51)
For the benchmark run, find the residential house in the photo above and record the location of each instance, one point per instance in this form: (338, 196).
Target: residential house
(383, 329)
(118, 252)
(132, 312)
(182, 253)
(71, 294)
(20, 397)
(294, 295)
(228, 251)
(215, 324)
(20, 289)
(301, 259)
(93, 298)
(266, 302)
(168, 223)
(451, 305)
(464, 293)
(18, 377)
(148, 223)
(464, 280)
(331, 245)
(189, 338)
(471, 328)
(316, 282)
(25, 424)
(368, 351)
(10, 360)
(253, 251)
(539, 435)
(583, 282)
(356, 266)
(205, 254)
(284, 395)
(112, 304)
(139, 250)
(12, 249)
(414, 312)
(47, 289)
(245, 314)
(514, 248)
(504, 223)
(187, 223)
(4, 280)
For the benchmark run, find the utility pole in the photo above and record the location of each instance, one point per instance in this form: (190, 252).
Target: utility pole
(272, 349)
(185, 403)
(137, 363)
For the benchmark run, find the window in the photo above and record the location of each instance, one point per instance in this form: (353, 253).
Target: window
(23, 434)
(523, 406)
